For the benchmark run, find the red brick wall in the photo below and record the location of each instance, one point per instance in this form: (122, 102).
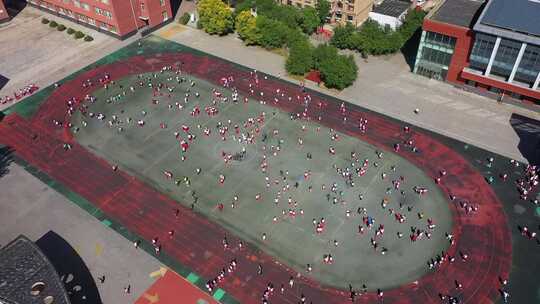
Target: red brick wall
(125, 13)
(3, 12)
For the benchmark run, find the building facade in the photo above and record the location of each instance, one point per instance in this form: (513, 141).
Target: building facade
(119, 18)
(489, 46)
(390, 13)
(4, 16)
(341, 11)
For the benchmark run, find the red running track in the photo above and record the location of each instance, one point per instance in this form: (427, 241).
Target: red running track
(197, 242)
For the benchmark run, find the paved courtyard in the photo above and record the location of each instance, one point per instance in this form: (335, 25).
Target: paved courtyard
(32, 52)
(30, 207)
(385, 85)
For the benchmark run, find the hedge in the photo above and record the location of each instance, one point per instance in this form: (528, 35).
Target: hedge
(70, 31)
(88, 38)
(78, 35)
(53, 24)
(61, 27)
(185, 18)
(45, 20)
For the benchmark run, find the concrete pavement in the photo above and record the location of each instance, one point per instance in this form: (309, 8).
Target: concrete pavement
(385, 85)
(30, 207)
(32, 52)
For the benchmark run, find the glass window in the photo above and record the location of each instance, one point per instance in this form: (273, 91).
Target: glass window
(440, 40)
(85, 6)
(506, 57)
(107, 14)
(92, 21)
(481, 52)
(77, 3)
(529, 67)
(165, 16)
(162, 2)
(113, 28)
(105, 1)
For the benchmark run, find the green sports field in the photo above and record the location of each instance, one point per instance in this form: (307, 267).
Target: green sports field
(150, 150)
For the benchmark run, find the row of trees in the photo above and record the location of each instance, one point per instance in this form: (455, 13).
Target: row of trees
(337, 71)
(281, 26)
(372, 38)
(216, 17)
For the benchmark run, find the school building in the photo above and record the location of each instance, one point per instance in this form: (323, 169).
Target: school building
(119, 18)
(491, 46)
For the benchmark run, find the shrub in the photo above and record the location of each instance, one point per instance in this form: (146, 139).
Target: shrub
(78, 35)
(322, 53)
(44, 20)
(342, 36)
(185, 18)
(70, 31)
(339, 72)
(246, 27)
(215, 17)
(88, 38)
(61, 27)
(300, 58)
(273, 33)
(53, 24)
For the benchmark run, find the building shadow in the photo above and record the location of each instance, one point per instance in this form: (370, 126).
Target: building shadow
(6, 158)
(3, 81)
(73, 272)
(175, 6)
(528, 130)
(410, 48)
(14, 7)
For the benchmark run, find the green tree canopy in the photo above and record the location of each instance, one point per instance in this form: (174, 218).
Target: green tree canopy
(342, 36)
(300, 59)
(323, 10)
(339, 72)
(215, 17)
(310, 20)
(273, 34)
(323, 52)
(246, 26)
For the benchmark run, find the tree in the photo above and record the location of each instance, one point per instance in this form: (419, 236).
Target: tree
(300, 58)
(413, 21)
(273, 34)
(323, 10)
(339, 72)
(323, 52)
(342, 36)
(215, 17)
(246, 27)
(310, 20)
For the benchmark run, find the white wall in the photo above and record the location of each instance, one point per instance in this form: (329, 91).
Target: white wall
(383, 20)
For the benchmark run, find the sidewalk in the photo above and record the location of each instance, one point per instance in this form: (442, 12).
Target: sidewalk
(385, 85)
(32, 52)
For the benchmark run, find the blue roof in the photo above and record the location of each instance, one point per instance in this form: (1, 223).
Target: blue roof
(522, 16)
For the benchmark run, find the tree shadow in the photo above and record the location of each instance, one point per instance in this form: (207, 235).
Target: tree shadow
(410, 48)
(528, 130)
(73, 272)
(6, 158)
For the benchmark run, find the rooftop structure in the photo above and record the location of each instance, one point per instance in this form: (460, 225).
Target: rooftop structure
(390, 13)
(393, 8)
(457, 12)
(515, 19)
(27, 276)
